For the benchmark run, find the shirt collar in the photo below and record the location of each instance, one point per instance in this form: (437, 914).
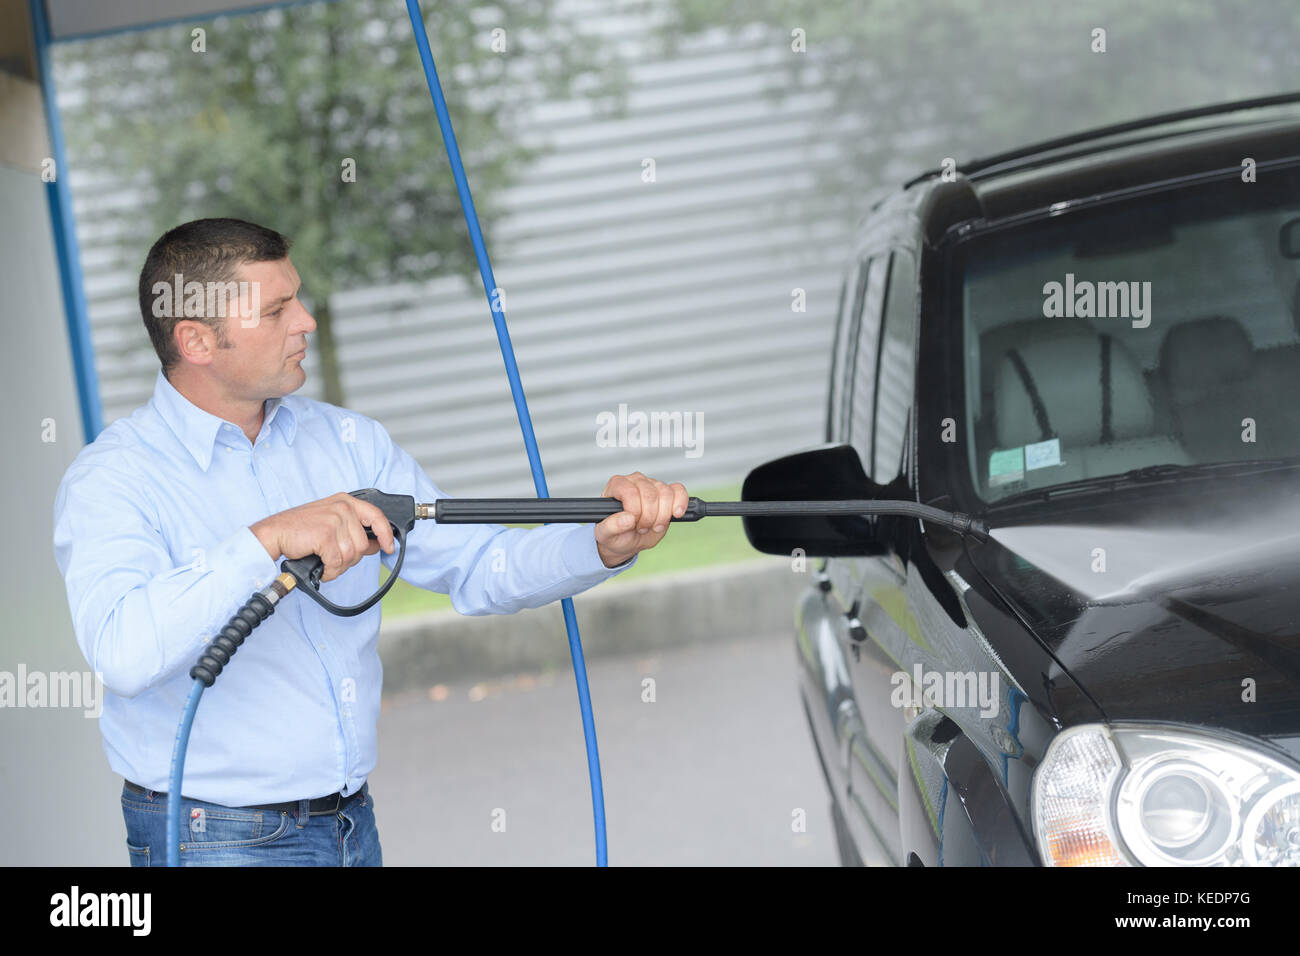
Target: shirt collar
(198, 430)
(280, 410)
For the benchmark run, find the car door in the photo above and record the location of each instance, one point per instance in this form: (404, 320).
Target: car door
(878, 619)
(865, 792)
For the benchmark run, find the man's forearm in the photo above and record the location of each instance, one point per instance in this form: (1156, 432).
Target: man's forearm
(506, 570)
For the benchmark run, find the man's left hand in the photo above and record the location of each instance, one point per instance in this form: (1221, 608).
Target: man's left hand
(648, 505)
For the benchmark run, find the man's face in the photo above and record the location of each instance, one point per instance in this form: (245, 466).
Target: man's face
(267, 334)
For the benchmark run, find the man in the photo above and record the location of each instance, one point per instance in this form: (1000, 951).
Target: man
(174, 515)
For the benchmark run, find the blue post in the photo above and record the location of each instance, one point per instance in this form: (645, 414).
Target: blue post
(65, 240)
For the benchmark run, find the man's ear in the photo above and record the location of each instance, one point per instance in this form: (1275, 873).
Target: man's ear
(195, 342)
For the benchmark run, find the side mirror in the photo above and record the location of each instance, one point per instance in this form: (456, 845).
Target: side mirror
(826, 473)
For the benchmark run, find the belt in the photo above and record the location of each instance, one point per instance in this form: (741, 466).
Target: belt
(320, 806)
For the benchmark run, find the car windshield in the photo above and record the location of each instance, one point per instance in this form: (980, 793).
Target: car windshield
(1156, 331)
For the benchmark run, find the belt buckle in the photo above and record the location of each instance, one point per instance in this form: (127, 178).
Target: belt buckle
(338, 802)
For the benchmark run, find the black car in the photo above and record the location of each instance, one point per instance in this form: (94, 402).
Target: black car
(1092, 346)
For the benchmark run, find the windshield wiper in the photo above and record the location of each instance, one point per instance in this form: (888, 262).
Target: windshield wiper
(1149, 474)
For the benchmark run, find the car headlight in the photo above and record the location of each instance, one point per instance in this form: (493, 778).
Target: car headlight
(1148, 795)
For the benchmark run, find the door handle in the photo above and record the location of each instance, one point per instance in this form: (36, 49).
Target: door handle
(856, 631)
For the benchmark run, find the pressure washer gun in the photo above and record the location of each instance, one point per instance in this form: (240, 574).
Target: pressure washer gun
(305, 573)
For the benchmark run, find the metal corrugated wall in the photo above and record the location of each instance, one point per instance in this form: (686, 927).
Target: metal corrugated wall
(672, 296)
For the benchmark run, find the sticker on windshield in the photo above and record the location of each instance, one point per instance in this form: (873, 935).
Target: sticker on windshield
(1006, 466)
(1043, 454)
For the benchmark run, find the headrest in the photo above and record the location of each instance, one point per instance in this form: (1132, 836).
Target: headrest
(1199, 355)
(1066, 375)
(994, 343)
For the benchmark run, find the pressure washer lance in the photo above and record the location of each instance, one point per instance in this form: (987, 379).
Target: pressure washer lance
(402, 512)
(530, 510)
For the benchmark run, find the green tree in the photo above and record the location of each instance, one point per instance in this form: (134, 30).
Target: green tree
(260, 117)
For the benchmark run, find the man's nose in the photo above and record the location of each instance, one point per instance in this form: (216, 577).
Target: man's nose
(306, 321)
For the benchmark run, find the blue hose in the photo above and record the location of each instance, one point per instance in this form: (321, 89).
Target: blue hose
(521, 407)
(178, 771)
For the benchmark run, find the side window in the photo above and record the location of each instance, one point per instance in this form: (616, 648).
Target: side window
(897, 376)
(863, 383)
(849, 293)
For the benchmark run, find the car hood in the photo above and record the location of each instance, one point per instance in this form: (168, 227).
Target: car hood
(1178, 600)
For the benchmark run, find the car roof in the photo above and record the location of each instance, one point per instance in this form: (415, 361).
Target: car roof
(1128, 155)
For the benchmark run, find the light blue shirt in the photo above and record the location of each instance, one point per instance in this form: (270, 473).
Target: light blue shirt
(151, 534)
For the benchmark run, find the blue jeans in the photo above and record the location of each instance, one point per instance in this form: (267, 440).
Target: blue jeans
(230, 836)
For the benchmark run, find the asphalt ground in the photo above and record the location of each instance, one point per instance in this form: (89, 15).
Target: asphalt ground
(718, 769)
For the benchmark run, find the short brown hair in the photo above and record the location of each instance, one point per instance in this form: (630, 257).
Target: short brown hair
(203, 250)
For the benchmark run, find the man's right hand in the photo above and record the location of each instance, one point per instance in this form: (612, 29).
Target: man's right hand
(332, 528)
